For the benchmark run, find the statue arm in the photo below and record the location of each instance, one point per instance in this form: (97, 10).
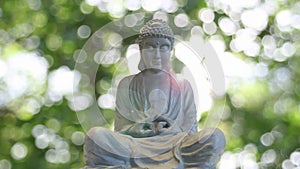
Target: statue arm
(190, 124)
(124, 113)
(122, 107)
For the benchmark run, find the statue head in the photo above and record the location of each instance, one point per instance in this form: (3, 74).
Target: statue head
(156, 40)
(156, 28)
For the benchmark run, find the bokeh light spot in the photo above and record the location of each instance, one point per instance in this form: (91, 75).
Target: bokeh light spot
(38, 130)
(283, 18)
(295, 158)
(79, 56)
(160, 15)
(133, 5)
(25, 73)
(116, 8)
(5, 164)
(3, 68)
(210, 28)
(269, 41)
(169, 6)
(288, 49)
(287, 164)
(53, 124)
(181, 20)
(40, 19)
(93, 2)
(85, 8)
(206, 15)
(51, 156)
(197, 30)
(84, 31)
(255, 18)
(268, 156)
(115, 39)
(53, 42)
(107, 57)
(19, 151)
(151, 5)
(133, 58)
(78, 138)
(64, 156)
(267, 139)
(130, 21)
(62, 82)
(106, 101)
(227, 26)
(42, 141)
(252, 50)
(80, 102)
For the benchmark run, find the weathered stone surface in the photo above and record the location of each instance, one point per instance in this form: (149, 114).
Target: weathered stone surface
(155, 122)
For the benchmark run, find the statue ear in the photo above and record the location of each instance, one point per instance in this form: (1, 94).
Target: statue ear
(141, 65)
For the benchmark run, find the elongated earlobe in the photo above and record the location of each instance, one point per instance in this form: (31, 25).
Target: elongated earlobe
(141, 65)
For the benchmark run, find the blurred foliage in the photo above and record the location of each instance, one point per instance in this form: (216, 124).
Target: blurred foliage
(262, 113)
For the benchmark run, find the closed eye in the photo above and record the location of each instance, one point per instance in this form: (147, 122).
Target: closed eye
(164, 47)
(149, 47)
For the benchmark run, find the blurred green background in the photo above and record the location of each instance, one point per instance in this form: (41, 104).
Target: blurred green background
(257, 41)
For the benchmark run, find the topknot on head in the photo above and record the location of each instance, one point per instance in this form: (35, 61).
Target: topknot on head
(156, 28)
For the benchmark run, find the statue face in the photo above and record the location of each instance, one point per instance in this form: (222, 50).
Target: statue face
(156, 53)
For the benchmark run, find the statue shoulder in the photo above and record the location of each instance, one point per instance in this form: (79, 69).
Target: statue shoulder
(183, 83)
(125, 81)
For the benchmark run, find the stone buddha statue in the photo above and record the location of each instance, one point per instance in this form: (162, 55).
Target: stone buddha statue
(155, 124)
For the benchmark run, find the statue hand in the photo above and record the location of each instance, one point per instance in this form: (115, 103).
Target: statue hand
(162, 125)
(140, 130)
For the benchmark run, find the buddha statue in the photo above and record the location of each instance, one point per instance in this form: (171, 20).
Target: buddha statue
(155, 124)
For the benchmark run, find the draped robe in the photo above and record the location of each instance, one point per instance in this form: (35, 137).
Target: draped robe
(149, 96)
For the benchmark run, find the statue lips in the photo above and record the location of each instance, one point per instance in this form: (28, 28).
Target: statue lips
(156, 62)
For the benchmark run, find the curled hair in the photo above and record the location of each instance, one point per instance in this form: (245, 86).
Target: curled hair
(156, 28)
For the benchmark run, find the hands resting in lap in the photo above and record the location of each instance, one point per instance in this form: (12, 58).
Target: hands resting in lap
(141, 130)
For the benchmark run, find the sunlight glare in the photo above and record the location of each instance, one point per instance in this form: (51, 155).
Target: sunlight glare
(169, 6)
(255, 18)
(116, 8)
(133, 58)
(227, 26)
(62, 82)
(24, 73)
(133, 4)
(151, 5)
(93, 2)
(200, 83)
(3, 68)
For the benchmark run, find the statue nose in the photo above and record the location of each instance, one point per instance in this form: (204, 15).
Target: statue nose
(157, 53)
